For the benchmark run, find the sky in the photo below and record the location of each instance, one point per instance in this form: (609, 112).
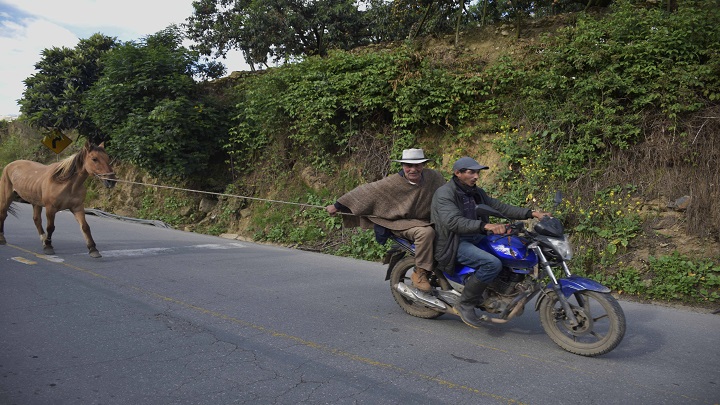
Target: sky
(29, 26)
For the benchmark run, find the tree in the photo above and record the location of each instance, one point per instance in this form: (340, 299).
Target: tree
(53, 98)
(275, 30)
(156, 114)
(381, 22)
(432, 17)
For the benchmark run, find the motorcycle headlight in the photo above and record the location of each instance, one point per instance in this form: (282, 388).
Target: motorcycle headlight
(562, 247)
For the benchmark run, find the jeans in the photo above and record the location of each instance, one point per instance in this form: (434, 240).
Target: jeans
(486, 265)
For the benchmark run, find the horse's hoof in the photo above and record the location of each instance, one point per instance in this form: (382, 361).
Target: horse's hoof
(95, 254)
(48, 251)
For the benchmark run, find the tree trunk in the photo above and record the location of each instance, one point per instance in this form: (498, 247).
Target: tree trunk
(422, 21)
(457, 23)
(484, 12)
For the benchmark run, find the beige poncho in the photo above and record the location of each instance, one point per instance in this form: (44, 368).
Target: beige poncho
(392, 202)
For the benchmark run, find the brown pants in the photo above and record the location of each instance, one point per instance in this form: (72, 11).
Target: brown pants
(424, 239)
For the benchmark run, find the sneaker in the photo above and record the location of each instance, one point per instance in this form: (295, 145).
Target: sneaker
(420, 280)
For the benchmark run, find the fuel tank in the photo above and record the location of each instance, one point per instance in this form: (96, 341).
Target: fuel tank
(512, 251)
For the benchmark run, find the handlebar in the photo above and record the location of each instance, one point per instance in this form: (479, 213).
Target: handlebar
(514, 228)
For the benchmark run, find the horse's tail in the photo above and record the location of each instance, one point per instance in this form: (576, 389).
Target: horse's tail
(11, 210)
(6, 190)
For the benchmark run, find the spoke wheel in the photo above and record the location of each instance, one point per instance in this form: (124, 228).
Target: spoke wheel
(600, 328)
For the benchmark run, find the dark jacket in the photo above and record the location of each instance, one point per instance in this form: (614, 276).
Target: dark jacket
(447, 215)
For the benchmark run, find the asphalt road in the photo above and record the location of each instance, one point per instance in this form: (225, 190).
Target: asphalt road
(169, 317)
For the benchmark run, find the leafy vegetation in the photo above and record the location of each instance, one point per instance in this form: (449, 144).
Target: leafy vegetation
(284, 30)
(279, 30)
(669, 278)
(325, 104)
(53, 98)
(14, 146)
(148, 103)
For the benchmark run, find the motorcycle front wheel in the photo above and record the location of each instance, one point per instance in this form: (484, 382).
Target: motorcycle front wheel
(601, 322)
(401, 274)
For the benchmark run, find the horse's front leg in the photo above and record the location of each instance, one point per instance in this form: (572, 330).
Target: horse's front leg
(85, 228)
(46, 238)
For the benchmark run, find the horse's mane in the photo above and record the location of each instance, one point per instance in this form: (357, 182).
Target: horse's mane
(69, 166)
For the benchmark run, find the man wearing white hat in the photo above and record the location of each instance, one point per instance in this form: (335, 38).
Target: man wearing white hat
(400, 203)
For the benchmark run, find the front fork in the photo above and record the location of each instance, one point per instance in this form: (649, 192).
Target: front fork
(542, 262)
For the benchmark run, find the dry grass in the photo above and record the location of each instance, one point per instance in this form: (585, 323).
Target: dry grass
(668, 166)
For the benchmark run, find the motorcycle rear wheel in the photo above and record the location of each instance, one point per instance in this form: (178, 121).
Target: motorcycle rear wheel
(601, 322)
(401, 274)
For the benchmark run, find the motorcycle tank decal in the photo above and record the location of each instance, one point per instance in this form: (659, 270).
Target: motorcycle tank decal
(511, 250)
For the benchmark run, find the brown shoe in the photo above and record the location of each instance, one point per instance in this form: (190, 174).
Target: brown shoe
(420, 280)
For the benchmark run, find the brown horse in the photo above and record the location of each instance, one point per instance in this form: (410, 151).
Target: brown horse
(56, 187)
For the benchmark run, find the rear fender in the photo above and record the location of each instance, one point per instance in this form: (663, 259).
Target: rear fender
(401, 248)
(392, 257)
(573, 284)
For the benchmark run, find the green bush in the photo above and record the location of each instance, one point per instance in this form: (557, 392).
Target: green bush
(321, 104)
(16, 147)
(677, 277)
(362, 245)
(586, 89)
(673, 277)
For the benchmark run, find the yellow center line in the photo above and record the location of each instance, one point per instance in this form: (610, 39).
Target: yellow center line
(318, 346)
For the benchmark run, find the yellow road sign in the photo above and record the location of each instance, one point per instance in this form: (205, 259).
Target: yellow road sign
(56, 141)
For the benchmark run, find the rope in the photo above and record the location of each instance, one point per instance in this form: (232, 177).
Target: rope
(216, 194)
(103, 214)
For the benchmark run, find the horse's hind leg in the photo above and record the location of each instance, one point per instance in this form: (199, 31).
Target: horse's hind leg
(3, 216)
(85, 228)
(45, 238)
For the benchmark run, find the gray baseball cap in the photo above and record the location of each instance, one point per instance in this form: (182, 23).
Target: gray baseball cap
(468, 163)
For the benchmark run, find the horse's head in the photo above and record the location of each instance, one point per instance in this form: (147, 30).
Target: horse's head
(97, 163)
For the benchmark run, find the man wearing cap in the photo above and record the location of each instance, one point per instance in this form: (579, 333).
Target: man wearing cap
(400, 203)
(458, 229)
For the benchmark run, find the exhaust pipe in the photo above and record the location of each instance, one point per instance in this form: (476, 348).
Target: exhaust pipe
(415, 295)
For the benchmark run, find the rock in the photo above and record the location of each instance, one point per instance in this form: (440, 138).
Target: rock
(681, 204)
(207, 205)
(313, 179)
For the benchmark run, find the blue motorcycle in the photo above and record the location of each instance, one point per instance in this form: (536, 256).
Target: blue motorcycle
(578, 314)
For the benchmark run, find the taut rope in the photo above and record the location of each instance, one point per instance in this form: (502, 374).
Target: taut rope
(212, 193)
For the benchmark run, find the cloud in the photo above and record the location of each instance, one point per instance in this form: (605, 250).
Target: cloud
(21, 42)
(128, 19)
(28, 27)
